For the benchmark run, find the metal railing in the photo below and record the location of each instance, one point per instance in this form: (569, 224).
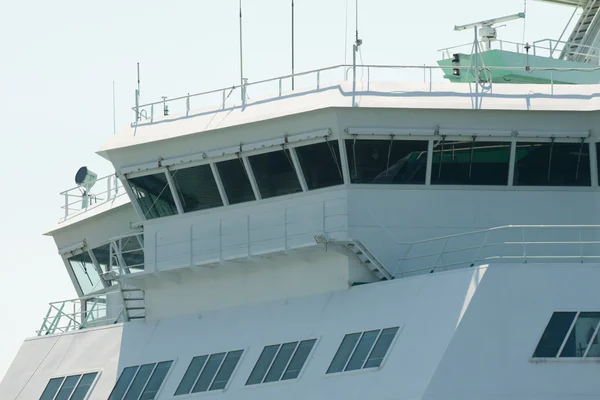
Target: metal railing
(542, 48)
(77, 200)
(77, 314)
(507, 244)
(272, 89)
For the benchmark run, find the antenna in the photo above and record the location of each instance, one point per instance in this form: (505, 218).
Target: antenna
(114, 112)
(487, 31)
(293, 49)
(137, 95)
(355, 49)
(241, 56)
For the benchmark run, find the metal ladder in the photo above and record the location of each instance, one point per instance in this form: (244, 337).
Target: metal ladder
(585, 29)
(134, 306)
(368, 259)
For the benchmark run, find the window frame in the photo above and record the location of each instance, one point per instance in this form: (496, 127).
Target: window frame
(263, 384)
(81, 373)
(557, 357)
(138, 365)
(231, 378)
(362, 369)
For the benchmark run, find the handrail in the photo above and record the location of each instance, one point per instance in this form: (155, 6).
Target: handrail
(84, 201)
(504, 249)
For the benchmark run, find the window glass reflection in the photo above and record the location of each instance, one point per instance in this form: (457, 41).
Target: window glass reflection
(235, 181)
(552, 164)
(321, 164)
(470, 163)
(387, 161)
(275, 174)
(554, 335)
(197, 188)
(153, 195)
(581, 335)
(85, 273)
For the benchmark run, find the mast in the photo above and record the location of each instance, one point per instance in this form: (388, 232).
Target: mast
(241, 57)
(293, 77)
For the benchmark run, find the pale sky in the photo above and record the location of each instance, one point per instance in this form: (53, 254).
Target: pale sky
(58, 60)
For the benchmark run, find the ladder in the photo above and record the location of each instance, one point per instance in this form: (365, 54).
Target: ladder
(134, 306)
(584, 34)
(368, 259)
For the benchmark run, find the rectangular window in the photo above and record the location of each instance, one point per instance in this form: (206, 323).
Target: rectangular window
(387, 161)
(321, 164)
(275, 174)
(552, 164)
(197, 188)
(209, 373)
(362, 350)
(554, 335)
(154, 196)
(140, 382)
(74, 387)
(235, 181)
(86, 273)
(581, 335)
(281, 362)
(470, 163)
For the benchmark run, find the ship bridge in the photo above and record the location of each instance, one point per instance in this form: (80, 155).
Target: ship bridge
(349, 240)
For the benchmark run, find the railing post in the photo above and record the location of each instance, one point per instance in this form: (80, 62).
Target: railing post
(524, 246)
(224, 99)
(318, 80)
(430, 79)
(152, 113)
(440, 255)
(108, 187)
(552, 82)
(187, 105)
(66, 205)
(368, 78)
(280, 86)
(580, 246)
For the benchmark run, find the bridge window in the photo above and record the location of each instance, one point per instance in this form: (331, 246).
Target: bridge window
(362, 350)
(321, 164)
(387, 161)
(140, 382)
(153, 195)
(575, 333)
(235, 181)
(208, 373)
(281, 362)
(74, 387)
(470, 163)
(552, 164)
(275, 174)
(197, 188)
(85, 272)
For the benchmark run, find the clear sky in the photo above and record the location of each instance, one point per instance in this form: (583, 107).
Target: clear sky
(58, 60)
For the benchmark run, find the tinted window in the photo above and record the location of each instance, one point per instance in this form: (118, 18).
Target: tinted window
(140, 380)
(344, 352)
(123, 383)
(554, 335)
(207, 373)
(381, 347)
(362, 350)
(102, 255)
(594, 350)
(154, 195)
(85, 272)
(387, 161)
(156, 380)
(281, 362)
(84, 386)
(470, 163)
(275, 174)
(51, 388)
(262, 365)
(321, 164)
(299, 359)
(581, 335)
(197, 188)
(552, 164)
(235, 181)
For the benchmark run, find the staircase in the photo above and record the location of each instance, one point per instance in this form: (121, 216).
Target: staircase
(369, 260)
(134, 306)
(584, 34)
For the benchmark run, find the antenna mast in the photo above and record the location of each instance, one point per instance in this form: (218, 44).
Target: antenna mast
(137, 95)
(356, 46)
(293, 49)
(241, 57)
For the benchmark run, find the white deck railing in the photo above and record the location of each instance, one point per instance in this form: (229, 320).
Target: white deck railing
(76, 314)
(271, 89)
(505, 244)
(76, 200)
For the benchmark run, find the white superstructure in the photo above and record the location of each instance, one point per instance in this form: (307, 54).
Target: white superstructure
(352, 240)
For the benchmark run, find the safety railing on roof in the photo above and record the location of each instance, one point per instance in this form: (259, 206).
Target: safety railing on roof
(77, 200)
(505, 244)
(362, 76)
(542, 48)
(77, 314)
